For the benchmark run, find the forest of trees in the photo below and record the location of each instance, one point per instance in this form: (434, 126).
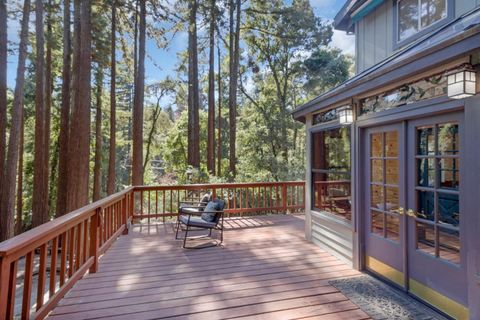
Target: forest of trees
(82, 120)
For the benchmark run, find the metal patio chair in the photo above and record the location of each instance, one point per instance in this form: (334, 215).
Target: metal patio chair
(198, 218)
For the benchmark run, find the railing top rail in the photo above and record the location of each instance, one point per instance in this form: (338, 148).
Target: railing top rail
(29, 240)
(216, 185)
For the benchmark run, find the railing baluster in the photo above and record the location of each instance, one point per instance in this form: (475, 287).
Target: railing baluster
(71, 244)
(63, 257)
(12, 283)
(53, 267)
(78, 254)
(27, 285)
(41, 275)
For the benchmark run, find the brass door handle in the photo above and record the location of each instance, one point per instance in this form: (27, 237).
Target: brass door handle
(411, 213)
(401, 211)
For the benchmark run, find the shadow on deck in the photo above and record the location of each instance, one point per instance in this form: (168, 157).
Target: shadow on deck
(264, 270)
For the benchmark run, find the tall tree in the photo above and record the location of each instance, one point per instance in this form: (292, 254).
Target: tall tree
(220, 97)
(97, 170)
(7, 210)
(211, 92)
(137, 161)
(40, 198)
(113, 104)
(3, 84)
(234, 55)
(79, 138)
(61, 206)
(19, 220)
(193, 88)
(48, 104)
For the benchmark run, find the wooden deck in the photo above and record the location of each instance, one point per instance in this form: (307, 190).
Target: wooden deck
(265, 270)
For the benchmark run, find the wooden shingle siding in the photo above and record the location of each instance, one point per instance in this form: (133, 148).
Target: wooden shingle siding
(333, 237)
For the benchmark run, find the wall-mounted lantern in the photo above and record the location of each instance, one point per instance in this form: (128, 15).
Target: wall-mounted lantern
(461, 83)
(345, 115)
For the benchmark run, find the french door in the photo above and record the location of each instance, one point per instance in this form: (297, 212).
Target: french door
(413, 213)
(384, 227)
(436, 246)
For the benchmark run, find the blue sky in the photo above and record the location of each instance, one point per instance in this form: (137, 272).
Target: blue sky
(161, 62)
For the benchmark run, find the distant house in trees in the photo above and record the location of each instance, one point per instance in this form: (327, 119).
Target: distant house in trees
(393, 153)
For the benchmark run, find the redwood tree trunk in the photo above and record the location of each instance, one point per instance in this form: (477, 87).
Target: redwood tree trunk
(220, 96)
(193, 88)
(234, 64)
(39, 202)
(211, 93)
(113, 106)
(64, 115)
(9, 178)
(19, 220)
(3, 86)
(97, 170)
(79, 144)
(48, 108)
(137, 161)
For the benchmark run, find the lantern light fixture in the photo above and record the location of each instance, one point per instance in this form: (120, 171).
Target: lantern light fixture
(462, 82)
(345, 115)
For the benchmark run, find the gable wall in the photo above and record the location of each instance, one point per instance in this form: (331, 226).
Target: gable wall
(374, 33)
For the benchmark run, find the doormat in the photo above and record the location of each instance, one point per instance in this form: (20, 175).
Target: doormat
(381, 301)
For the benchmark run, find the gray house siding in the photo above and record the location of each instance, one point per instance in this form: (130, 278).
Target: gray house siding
(374, 33)
(374, 36)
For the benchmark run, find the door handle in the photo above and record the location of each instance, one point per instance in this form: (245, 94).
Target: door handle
(401, 211)
(411, 213)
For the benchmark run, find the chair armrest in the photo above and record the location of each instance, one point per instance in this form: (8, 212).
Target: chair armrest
(189, 201)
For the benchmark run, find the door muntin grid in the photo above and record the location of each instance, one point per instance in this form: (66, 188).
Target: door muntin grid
(384, 185)
(437, 216)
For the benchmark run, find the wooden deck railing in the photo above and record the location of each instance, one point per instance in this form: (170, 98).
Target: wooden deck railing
(240, 198)
(55, 255)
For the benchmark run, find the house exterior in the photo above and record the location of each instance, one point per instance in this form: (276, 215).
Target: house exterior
(393, 169)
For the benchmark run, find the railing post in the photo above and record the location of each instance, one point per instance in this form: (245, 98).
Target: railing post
(214, 192)
(94, 243)
(284, 197)
(4, 284)
(125, 214)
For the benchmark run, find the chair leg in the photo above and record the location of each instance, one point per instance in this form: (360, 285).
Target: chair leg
(210, 233)
(178, 227)
(185, 239)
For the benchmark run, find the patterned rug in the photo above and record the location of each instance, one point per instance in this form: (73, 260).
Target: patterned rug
(381, 301)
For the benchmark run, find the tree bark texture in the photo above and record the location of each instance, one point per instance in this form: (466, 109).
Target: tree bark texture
(113, 106)
(234, 65)
(39, 199)
(211, 93)
(220, 97)
(7, 210)
(97, 170)
(79, 138)
(137, 159)
(61, 205)
(3, 85)
(19, 220)
(193, 89)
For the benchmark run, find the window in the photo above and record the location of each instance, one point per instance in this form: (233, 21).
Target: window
(437, 191)
(331, 171)
(414, 16)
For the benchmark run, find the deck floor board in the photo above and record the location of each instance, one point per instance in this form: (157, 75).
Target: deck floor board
(265, 270)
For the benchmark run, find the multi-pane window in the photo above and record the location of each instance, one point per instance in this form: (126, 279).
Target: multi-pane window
(331, 171)
(437, 189)
(417, 15)
(384, 185)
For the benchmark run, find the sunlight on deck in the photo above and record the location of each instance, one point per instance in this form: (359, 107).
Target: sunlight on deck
(264, 270)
